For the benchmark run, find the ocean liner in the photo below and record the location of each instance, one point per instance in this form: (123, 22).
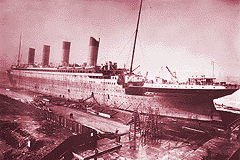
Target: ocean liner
(111, 85)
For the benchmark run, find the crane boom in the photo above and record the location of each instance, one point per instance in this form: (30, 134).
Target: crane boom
(136, 68)
(174, 76)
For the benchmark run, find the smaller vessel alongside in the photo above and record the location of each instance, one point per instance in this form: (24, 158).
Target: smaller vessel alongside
(228, 108)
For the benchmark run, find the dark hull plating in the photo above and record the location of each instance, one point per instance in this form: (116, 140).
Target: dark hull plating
(108, 91)
(197, 93)
(228, 117)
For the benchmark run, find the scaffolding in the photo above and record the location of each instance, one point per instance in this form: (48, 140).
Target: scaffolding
(148, 126)
(134, 129)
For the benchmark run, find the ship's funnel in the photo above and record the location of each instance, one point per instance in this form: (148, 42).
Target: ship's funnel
(93, 52)
(66, 50)
(31, 55)
(46, 52)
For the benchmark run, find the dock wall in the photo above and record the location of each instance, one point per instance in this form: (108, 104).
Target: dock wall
(68, 123)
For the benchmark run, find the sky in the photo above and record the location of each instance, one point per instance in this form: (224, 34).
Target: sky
(187, 36)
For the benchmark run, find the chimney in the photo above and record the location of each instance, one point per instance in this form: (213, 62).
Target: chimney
(93, 52)
(46, 52)
(66, 50)
(31, 55)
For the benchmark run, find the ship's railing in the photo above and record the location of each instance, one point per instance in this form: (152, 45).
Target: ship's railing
(228, 86)
(226, 107)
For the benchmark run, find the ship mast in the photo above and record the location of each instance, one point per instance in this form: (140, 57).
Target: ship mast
(135, 40)
(213, 69)
(18, 61)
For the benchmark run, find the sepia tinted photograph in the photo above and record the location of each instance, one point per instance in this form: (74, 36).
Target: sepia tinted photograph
(120, 79)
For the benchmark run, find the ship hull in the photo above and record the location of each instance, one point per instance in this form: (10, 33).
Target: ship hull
(200, 94)
(227, 113)
(107, 91)
(228, 117)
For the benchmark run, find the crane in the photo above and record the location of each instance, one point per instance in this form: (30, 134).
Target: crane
(136, 68)
(173, 75)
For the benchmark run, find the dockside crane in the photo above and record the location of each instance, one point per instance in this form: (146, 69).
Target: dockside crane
(136, 68)
(173, 75)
